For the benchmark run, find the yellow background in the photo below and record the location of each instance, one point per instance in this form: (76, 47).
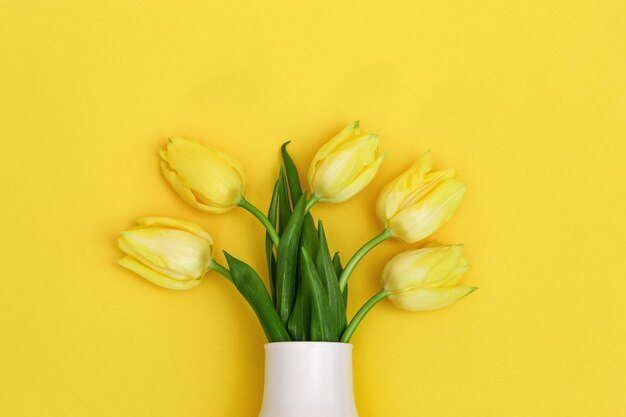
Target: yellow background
(526, 99)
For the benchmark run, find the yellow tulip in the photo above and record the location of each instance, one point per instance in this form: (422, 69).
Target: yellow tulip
(418, 202)
(204, 177)
(426, 279)
(344, 166)
(171, 253)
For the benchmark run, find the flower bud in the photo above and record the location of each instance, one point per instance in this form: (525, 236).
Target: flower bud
(345, 165)
(204, 177)
(171, 253)
(418, 202)
(426, 279)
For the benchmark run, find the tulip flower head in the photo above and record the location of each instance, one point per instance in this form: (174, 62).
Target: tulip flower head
(171, 253)
(418, 202)
(204, 177)
(426, 279)
(344, 166)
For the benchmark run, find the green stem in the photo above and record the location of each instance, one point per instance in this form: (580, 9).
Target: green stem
(271, 230)
(312, 201)
(220, 269)
(358, 317)
(356, 258)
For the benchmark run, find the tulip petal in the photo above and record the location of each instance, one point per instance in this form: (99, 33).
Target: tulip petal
(420, 268)
(431, 181)
(185, 193)
(420, 220)
(155, 277)
(175, 224)
(358, 183)
(455, 276)
(128, 247)
(202, 163)
(443, 265)
(429, 298)
(395, 193)
(215, 179)
(341, 165)
(345, 135)
(404, 271)
(341, 168)
(177, 253)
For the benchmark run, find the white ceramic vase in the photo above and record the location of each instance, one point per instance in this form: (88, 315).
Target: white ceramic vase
(308, 379)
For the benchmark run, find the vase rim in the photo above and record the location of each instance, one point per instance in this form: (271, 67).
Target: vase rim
(338, 345)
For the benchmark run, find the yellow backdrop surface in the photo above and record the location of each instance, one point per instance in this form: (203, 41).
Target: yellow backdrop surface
(526, 99)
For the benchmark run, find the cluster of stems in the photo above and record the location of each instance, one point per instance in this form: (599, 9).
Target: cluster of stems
(345, 275)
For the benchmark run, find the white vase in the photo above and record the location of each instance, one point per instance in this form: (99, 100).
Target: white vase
(308, 379)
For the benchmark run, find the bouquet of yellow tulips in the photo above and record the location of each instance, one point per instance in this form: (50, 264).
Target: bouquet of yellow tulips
(305, 297)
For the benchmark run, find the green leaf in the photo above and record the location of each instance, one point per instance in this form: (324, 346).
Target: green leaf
(299, 322)
(309, 238)
(322, 325)
(309, 233)
(269, 245)
(292, 174)
(252, 288)
(287, 261)
(338, 271)
(337, 264)
(330, 281)
(284, 207)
